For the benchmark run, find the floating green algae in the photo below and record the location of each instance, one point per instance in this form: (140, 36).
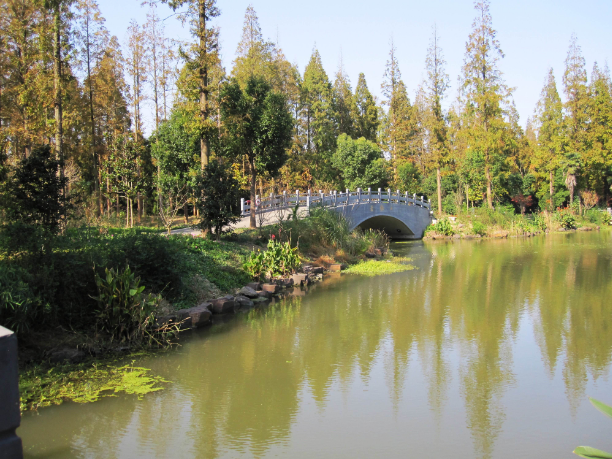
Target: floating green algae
(84, 383)
(380, 267)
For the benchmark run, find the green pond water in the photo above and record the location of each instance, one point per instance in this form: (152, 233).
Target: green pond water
(488, 349)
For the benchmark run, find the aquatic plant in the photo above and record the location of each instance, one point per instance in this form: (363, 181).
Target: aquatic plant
(124, 312)
(379, 267)
(84, 383)
(593, 453)
(279, 260)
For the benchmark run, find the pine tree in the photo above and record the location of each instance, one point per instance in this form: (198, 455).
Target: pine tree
(598, 155)
(366, 112)
(437, 84)
(484, 93)
(137, 59)
(22, 37)
(255, 56)
(399, 125)
(344, 105)
(575, 85)
(318, 118)
(551, 134)
(204, 53)
(91, 39)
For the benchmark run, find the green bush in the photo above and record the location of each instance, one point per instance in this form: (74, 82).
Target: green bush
(18, 304)
(123, 311)
(565, 219)
(449, 204)
(540, 222)
(279, 260)
(597, 217)
(479, 228)
(443, 227)
(521, 226)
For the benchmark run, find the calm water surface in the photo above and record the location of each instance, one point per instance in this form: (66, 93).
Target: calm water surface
(489, 349)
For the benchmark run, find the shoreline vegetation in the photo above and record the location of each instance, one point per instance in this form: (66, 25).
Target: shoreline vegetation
(188, 280)
(247, 269)
(503, 223)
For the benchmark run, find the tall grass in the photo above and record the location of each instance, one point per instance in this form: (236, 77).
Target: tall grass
(329, 231)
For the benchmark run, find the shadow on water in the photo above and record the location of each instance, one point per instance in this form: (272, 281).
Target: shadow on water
(450, 359)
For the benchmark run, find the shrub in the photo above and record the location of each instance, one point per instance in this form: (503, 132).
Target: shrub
(123, 311)
(443, 227)
(449, 204)
(540, 222)
(565, 218)
(18, 304)
(479, 228)
(279, 260)
(521, 226)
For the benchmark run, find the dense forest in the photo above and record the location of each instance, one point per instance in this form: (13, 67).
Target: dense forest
(70, 89)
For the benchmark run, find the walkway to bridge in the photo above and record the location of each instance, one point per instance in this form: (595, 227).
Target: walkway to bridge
(398, 214)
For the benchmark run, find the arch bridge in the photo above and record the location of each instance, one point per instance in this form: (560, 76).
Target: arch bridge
(399, 215)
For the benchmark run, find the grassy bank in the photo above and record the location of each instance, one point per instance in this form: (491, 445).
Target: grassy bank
(503, 222)
(56, 289)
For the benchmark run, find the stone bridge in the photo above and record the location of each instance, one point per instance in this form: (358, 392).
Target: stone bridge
(399, 215)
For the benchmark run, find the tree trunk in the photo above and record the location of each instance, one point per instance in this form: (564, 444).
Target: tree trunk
(551, 191)
(439, 183)
(253, 222)
(57, 74)
(94, 157)
(186, 212)
(489, 191)
(139, 207)
(204, 146)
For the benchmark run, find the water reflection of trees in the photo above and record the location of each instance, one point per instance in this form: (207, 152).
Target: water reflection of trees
(239, 387)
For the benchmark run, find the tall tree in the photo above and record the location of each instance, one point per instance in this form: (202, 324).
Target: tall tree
(551, 132)
(318, 118)
(204, 53)
(258, 125)
(366, 112)
(436, 84)
(399, 123)
(576, 92)
(598, 160)
(344, 104)
(91, 39)
(484, 92)
(137, 60)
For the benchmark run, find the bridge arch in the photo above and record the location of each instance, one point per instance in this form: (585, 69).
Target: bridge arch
(397, 214)
(392, 226)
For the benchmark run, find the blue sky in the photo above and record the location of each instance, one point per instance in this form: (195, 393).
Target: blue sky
(534, 35)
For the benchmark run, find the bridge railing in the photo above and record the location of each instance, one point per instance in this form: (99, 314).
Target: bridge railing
(309, 199)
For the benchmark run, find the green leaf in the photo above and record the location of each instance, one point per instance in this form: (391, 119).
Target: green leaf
(591, 453)
(133, 291)
(605, 409)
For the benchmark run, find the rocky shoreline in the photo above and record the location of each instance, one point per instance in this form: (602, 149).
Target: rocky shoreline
(252, 295)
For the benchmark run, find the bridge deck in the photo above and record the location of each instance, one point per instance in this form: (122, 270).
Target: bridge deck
(286, 200)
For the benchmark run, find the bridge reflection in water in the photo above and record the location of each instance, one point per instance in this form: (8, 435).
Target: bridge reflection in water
(399, 215)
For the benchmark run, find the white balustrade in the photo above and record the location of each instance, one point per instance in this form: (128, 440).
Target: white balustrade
(332, 199)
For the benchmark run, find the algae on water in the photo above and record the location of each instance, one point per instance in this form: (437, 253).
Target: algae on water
(379, 267)
(84, 384)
